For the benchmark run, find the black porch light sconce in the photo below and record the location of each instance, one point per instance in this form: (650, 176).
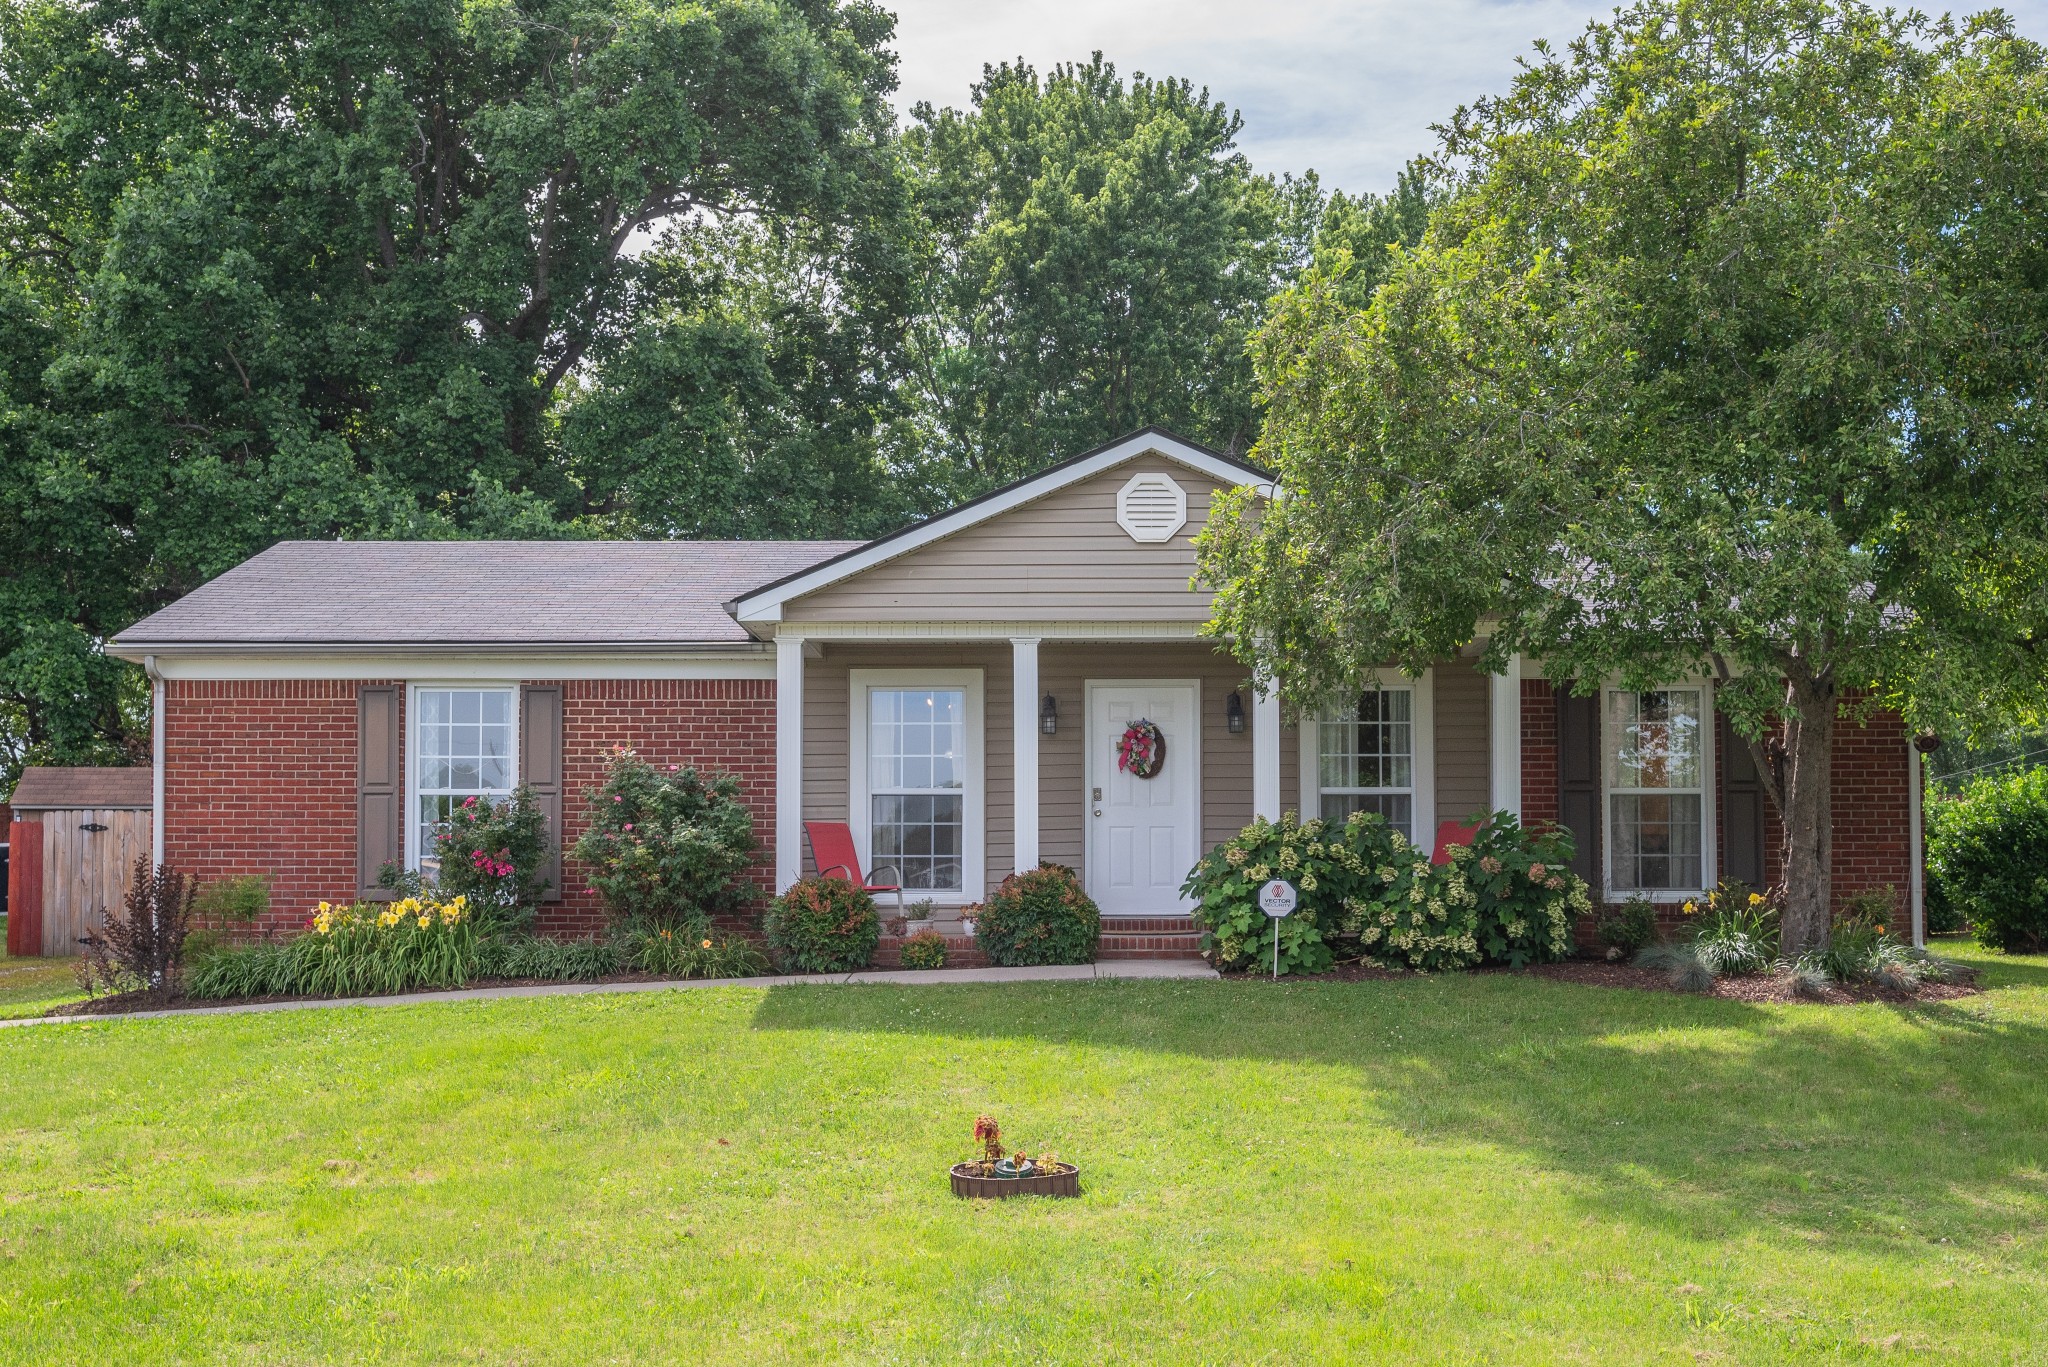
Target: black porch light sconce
(1233, 714)
(1049, 716)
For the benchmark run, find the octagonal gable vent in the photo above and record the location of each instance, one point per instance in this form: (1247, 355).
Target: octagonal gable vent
(1151, 508)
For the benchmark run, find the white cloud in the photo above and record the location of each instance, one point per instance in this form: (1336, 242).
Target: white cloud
(1348, 89)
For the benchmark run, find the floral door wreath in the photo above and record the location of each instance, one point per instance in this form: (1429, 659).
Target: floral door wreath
(1141, 750)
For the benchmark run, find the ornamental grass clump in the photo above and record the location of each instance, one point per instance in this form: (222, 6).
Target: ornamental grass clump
(822, 925)
(1040, 916)
(1735, 933)
(672, 953)
(668, 846)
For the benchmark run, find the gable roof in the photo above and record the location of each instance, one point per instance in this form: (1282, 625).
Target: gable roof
(765, 603)
(358, 594)
(44, 788)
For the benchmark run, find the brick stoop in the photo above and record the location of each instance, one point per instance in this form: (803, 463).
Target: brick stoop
(961, 952)
(1149, 937)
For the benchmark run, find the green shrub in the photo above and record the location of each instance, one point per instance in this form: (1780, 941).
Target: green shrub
(1987, 853)
(1314, 855)
(496, 856)
(241, 899)
(925, 950)
(667, 847)
(822, 925)
(1628, 928)
(1040, 916)
(1508, 897)
(1528, 895)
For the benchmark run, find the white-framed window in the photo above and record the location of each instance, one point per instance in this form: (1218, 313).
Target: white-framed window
(463, 743)
(915, 767)
(1375, 754)
(1659, 762)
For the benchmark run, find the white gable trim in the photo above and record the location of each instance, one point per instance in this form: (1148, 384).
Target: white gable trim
(765, 605)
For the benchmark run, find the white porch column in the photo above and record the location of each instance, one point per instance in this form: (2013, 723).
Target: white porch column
(1505, 727)
(1024, 749)
(1266, 754)
(1916, 876)
(789, 760)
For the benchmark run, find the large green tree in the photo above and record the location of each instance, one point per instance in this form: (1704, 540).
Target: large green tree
(313, 269)
(1098, 254)
(1725, 355)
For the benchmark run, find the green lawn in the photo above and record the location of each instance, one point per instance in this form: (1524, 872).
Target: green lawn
(1459, 1169)
(29, 987)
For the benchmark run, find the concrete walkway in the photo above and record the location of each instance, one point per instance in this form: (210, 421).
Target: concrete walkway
(1124, 968)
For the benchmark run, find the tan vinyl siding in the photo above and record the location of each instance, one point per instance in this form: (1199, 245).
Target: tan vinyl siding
(1462, 743)
(828, 694)
(1059, 558)
(1062, 671)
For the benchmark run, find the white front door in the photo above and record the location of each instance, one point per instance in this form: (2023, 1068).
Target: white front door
(1143, 833)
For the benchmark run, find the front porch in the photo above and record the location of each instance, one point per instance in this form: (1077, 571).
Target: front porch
(918, 744)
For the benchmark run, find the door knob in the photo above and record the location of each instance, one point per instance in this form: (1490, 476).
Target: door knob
(1098, 811)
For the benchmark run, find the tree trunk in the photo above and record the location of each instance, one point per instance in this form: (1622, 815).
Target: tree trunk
(1809, 812)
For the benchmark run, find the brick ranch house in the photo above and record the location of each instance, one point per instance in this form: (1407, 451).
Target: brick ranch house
(319, 706)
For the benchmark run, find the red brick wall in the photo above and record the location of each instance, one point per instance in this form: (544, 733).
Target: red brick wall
(260, 776)
(1539, 752)
(726, 724)
(1873, 808)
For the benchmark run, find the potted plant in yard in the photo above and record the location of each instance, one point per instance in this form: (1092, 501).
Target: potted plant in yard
(917, 917)
(995, 1176)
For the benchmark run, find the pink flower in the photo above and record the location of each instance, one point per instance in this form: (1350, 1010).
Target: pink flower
(617, 798)
(629, 825)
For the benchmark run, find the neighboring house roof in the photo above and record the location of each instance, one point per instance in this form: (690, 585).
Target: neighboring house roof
(479, 594)
(51, 789)
(765, 604)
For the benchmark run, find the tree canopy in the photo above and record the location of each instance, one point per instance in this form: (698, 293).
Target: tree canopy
(1721, 357)
(1099, 254)
(312, 270)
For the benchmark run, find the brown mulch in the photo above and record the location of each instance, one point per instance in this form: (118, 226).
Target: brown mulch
(126, 1002)
(1763, 987)
(1596, 973)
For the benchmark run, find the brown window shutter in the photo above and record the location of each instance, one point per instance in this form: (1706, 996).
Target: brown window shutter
(380, 787)
(1578, 782)
(540, 763)
(1742, 809)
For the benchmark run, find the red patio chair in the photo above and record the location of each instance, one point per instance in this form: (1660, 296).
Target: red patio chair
(1449, 833)
(833, 851)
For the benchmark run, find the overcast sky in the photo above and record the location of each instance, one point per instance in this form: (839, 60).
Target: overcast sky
(1349, 89)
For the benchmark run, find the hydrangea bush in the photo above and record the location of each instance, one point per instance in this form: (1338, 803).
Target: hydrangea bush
(1368, 892)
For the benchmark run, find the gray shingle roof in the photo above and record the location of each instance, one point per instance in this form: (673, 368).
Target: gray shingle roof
(44, 789)
(479, 593)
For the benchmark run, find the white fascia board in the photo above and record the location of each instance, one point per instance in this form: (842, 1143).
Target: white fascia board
(1051, 631)
(742, 663)
(765, 605)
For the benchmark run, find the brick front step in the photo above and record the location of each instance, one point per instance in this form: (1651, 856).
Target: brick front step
(1149, 937)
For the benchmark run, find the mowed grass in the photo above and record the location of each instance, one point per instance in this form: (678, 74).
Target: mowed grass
(1457, 1169)
(30, 987)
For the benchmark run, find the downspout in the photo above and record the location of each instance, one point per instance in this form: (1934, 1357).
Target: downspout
(156, 761)
(1916, 875)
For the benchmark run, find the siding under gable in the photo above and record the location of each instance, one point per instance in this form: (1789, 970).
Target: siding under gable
(1058, 558)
